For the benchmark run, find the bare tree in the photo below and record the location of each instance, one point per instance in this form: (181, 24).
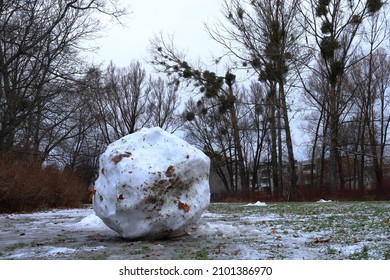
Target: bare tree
(317, 118)
(39, 43)
(125, 95)
(124, 100)
(254, 128)
(371, 75)
(213, 132)
(163, 104)
(264, 36)
(208, 129)
(334, 26)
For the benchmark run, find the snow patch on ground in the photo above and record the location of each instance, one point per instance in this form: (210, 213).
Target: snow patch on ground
(90, 222)
(324, 201)
(258, 203)
(58, 251)
(224, 229)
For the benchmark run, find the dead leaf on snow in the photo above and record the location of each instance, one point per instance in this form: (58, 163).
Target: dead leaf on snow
(170, 171)
(184, 207)
(118, 158)
(325, 240)
(356, 240)
(127, 154)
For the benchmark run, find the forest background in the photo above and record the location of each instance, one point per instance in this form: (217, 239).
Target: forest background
(322, 64)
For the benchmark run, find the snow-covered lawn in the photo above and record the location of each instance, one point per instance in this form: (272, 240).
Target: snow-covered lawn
(320, 231)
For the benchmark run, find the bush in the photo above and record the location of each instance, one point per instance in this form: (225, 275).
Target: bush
(26, 186)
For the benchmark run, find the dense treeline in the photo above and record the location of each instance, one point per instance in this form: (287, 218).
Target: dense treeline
(326, 60)
(323, 62)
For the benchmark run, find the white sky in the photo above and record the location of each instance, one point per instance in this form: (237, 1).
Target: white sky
(182, 18)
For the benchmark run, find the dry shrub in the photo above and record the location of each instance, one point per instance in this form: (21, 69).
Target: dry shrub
(26, 186)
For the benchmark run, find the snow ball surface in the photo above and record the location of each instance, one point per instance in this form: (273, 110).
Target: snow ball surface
(151, 185)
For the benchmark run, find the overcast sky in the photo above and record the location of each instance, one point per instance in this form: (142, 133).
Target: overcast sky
(182, 18)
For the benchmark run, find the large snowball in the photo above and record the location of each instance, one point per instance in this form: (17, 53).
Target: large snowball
(151, 185)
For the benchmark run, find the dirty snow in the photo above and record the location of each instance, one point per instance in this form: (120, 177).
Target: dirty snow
(293, 231)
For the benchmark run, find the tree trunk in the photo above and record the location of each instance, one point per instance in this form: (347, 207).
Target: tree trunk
(333, 149)
(280, 152)
(237, 142)
(293, 191)
(274, 149)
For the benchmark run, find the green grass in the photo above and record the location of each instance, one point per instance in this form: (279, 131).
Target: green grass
(335, 230)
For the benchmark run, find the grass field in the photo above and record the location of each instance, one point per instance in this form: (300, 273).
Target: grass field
(332, 230)
(282, 231)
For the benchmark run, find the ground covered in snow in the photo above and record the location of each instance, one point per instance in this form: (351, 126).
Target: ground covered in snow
(316, 231)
